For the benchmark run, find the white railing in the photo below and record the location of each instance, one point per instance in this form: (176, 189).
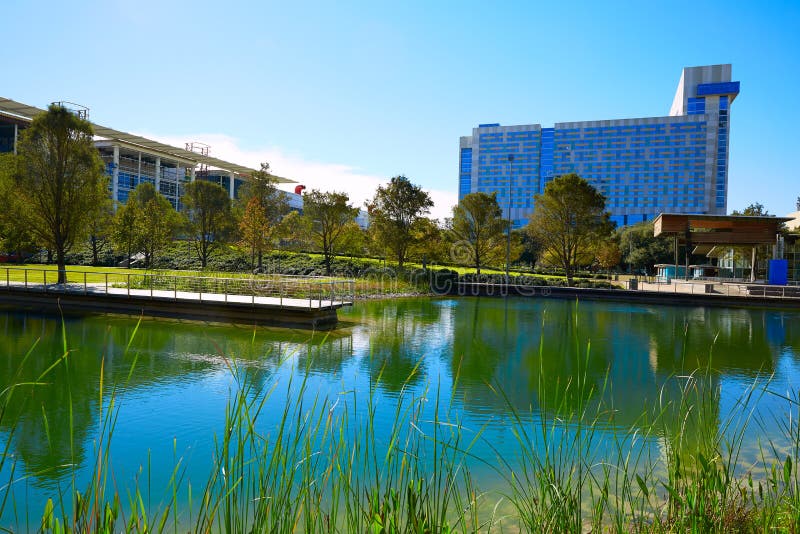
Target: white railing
(276, 290)
(726, 288)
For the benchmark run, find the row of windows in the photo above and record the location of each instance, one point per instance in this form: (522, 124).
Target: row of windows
(696, 106)
(595, 132)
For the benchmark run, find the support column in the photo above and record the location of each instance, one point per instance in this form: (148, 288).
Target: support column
(753, 265)
(115, 179)
(192, 175)
(676, 256)
(16, 132)
(230, 186)
(158, 174)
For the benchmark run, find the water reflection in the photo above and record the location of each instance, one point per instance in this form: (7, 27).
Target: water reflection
(557, 354)
(54, 422)
(551, 357)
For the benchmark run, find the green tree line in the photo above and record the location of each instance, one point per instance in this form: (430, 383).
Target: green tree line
(55, 195)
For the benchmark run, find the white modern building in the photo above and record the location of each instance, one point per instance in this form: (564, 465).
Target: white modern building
(132, 159)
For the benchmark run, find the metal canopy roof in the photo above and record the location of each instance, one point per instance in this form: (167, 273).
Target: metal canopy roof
(27, 112)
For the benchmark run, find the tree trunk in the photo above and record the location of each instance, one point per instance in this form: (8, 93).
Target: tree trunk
(203, 253)
(61, 265)
(260, 259)
(95, 260)
(327, 262)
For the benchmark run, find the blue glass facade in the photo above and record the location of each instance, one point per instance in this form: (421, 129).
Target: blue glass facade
(465, 172)
(671, 164)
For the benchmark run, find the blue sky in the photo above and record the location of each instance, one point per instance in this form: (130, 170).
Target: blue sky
(344, 95)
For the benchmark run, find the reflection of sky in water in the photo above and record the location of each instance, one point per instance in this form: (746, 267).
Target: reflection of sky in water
(536, 351)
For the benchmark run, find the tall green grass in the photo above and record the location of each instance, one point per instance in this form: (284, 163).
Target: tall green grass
(328, 464)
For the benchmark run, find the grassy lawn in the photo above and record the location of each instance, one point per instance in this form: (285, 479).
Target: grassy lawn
(119, 276)
(376, 284)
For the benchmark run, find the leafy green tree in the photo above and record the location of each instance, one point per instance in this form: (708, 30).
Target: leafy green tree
(477, 231)
(328, 216)
(354, 240)
(569, 219)
(263, 206)
(146, 223)
(124, 229)
(430, 241)
(754, 210)
(15, 236)
(295, 232)
(100, 229)
(394, 211)
(641, 250)
(60, 181)
(531, 249)
(255, 231)
(208, 210)
(157, 222)
(608, 254)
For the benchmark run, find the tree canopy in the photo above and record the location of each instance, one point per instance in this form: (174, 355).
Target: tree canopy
(394, 213)
(477, 231)
(328, 217)
(755, 209)
(60, 181)
(569, 219)
(210, 223)
(263, 207)
(641, 250)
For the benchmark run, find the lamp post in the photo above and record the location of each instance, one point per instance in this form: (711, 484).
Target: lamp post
(508, 216)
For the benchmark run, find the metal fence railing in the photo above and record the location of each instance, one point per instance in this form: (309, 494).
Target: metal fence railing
(280, 290)
(727, 288)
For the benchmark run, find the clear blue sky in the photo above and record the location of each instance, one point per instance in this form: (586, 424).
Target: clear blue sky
(384, 88)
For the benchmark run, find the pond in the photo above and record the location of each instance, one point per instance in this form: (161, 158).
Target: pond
(494, 364)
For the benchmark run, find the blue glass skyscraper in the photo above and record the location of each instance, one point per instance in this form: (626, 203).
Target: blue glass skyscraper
(672, 164)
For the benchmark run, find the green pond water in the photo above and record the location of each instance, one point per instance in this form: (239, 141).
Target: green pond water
(627, 356)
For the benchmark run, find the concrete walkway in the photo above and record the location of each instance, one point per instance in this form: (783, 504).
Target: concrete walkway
(95, 289)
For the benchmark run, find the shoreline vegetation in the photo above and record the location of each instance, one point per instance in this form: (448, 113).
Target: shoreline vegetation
(326, 467)
(375, 278)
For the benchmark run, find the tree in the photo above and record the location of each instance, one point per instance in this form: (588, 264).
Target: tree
(15, 236)
(146, 223)
(100, 228)
(156, 223)
(608, 254)
(478, 231)
(208, 209)
(124, 229)
(531, 249)
(641, 250)
(394, 211)
(754, 210)
(264, 207)
(568, 220)
(295, 232)
(354, 240)
(430, 241)
(60, 181)
(328, 216)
